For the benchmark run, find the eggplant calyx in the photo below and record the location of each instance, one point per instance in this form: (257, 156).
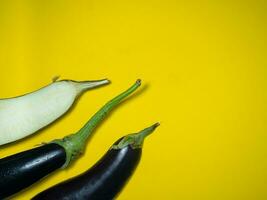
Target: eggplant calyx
(135, 140)
(73, 146)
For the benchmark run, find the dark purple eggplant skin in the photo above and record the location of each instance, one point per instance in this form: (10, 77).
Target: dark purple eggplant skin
(21, 170)
(102, 182)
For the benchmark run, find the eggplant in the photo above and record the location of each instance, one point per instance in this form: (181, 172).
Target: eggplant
(31, 112)
(107, 177)
(21, 170)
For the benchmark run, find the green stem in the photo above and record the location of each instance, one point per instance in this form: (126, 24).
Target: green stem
(87, 129)
(74, 144)
(136, 140)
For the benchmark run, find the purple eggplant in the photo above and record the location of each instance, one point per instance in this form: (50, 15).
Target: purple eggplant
(107, 177)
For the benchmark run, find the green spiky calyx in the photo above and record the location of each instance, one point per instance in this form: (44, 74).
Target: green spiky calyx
(73, 147)
(135, 140)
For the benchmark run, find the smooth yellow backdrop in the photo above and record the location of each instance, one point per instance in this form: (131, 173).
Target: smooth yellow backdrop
(203, 66)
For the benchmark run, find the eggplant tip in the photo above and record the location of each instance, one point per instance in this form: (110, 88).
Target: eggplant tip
(138, 81)
(156, 124)
(107, 81)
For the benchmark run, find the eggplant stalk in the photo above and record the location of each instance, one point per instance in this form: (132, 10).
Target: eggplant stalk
(136, 140)
(74, 144)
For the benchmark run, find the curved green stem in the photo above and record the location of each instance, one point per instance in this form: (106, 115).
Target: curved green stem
(136, 140)
(74, 144)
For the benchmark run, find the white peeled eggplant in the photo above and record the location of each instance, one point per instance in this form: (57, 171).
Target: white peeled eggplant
(24, 115)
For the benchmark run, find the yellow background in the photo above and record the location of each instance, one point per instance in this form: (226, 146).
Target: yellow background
(203, 66)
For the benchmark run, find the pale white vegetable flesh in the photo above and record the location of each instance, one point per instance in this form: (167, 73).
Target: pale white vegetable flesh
(24, 115)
